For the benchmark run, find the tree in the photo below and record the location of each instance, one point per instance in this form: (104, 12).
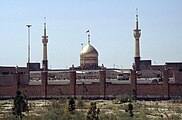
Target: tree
(25, 101)
(71, 105)
(134, 95)
(84, 89)
(130, 110)
(20, 104)
(93, 113)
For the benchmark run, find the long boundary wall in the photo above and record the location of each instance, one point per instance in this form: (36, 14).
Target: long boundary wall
(100, 89)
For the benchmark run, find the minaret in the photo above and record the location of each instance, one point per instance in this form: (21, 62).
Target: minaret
(137, 34)
(45, 41)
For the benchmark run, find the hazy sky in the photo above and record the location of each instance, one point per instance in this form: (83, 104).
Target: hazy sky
(111, 24)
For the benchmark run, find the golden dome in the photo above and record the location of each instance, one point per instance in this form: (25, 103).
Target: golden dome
(89, 51)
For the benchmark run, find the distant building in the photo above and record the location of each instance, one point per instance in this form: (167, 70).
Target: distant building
(175, 66)
(33, 66)
(7, 75)
(145, 64)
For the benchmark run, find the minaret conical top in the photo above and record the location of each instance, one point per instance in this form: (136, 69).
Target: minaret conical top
(137, 31)
(44, 26)
(137, 19)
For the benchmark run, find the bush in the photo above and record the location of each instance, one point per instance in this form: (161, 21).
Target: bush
(80, 104)
(133, 95)
(110, 116)
(117, 115)
(142, 115)
(61, 112)
(20, 104)
(177, 100)
(93, 113)
(175, 117)
(71, 105)
(123, 99)
(130, 110)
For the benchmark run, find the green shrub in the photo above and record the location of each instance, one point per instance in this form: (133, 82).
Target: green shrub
(20, 104)
(80, 104)
(123, 99)
(130, 110)
(71, 105)
(62, 100)
(134, 95)
(142, 115)
(9, 116)
(93, 113)
(60, 111)
(116, 115)
(110, 116)
(175, 117)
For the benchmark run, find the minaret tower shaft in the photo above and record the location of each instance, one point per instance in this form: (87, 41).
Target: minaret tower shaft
(45, 41)
(137, 34)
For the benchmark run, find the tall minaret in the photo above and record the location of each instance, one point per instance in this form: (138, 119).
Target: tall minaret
(137, 34)
(45, 41)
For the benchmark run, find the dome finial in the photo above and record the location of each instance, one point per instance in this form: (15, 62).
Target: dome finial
(88, 36)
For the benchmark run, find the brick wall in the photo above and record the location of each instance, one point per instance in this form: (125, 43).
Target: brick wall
(150, 90)
(163, 89)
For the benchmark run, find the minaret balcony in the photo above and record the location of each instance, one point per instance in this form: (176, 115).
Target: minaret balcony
(44, 40)
(137, 33)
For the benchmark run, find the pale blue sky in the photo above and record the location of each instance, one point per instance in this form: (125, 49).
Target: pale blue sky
(111, 24)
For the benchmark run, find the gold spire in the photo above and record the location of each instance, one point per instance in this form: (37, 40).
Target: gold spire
(88, 38)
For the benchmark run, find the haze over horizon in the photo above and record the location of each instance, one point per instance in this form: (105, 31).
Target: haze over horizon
(111, 25)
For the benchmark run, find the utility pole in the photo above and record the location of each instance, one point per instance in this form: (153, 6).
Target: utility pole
(28, 25)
